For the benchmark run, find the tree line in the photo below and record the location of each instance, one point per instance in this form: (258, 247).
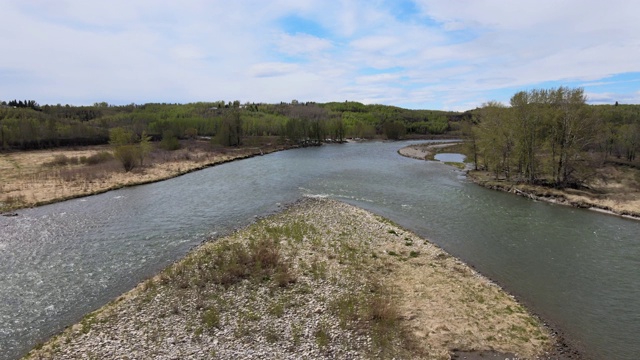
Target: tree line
(28, 125)
(552, 136)
(32, 104)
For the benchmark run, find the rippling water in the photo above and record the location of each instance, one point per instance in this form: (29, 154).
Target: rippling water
(575, 267)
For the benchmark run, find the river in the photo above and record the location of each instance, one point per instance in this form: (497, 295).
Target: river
(577, 268)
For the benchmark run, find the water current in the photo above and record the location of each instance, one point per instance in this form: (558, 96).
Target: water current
(576, 268)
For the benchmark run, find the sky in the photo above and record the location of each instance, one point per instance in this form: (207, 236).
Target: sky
(422, 54)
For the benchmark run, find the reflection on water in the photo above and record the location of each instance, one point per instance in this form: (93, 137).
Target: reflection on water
(449, 157)
(575, 267)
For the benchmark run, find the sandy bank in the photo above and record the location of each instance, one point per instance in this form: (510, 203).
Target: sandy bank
(323, 279)
(423, 151)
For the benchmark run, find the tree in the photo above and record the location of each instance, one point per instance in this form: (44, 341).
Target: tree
(544, 136)
(471, 143)
(169, 141)
(191, 133)
(529, 120)
(394, 130)
(125, 148)
(573, 129)
(630, 140)
(496, 133)
(230, 130)
(337, 128)
(145, 146)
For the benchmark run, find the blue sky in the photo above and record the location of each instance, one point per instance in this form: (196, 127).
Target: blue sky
(423, 54)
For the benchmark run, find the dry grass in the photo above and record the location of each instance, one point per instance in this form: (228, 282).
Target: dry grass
(33, 178)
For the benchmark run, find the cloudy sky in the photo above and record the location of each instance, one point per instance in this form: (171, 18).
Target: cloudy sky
(423, 54)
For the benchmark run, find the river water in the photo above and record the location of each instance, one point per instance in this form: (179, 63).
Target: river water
(577, 268)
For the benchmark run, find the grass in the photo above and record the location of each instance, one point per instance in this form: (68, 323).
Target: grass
(211, 318)
(32, 178)
(322, 335)
(230, 263)
(459, 165)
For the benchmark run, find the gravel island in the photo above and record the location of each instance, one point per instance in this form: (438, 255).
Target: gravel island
(322, 279)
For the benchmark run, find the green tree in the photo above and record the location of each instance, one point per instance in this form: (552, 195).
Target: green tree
(496, 133)
(121, 136)
(169, 141)
(573, 130)
(230, 130)
(471, 144)
(125, 149)
(529, 121)
(191, 133)
(145, 146)
(338, 129)
(394, 130)
(630, 140)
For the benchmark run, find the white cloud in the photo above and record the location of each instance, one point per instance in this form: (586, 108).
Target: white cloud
(611, 98)
(187, 52)
(120, 51)
(272, 69)
(379, 78)
(302, 44)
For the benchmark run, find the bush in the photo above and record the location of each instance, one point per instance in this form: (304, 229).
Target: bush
(211, 318)
(62, 160)
(169, 141)
(59, 160)
(127, 155)
(98, 158)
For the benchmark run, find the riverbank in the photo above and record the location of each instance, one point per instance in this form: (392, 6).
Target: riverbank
(614, 190)
(616, 196)
(425, 151)
(322, 279)
(35, 178)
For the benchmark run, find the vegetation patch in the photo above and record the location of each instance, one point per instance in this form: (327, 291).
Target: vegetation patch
(459, 165)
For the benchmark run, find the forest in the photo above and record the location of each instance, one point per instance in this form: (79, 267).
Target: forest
(544, 136)
(552, 137)
(28, 125)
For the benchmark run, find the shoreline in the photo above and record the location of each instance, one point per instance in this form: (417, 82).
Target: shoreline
(564, 348)
(536, 193)
(424, 151)
(135, 179)
(139, 176)
(543, 194)
(332, 251)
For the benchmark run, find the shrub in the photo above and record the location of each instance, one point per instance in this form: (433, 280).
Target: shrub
(127, 155)
(97, 158)
(169, 141)
(211, 318)
(59, 160)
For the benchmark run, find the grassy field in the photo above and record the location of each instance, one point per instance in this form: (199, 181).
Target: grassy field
(32, 178)
(323, 279)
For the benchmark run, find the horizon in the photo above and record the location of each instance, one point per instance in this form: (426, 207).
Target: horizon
(423, 54)
(106, 104)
